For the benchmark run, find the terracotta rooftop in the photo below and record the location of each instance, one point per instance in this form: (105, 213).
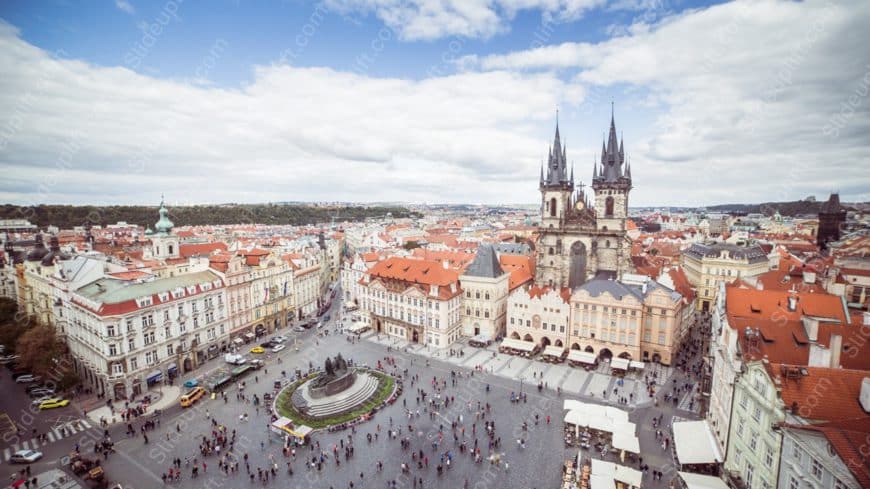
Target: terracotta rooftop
(200, 249)
(823, 394)
(521, 268)
(849, 439)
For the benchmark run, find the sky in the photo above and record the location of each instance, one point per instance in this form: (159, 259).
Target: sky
(435, 101)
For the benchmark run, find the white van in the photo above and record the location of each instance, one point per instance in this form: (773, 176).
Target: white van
(234, 359)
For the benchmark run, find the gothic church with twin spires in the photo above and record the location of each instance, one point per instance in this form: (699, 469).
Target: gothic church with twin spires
(579, 238)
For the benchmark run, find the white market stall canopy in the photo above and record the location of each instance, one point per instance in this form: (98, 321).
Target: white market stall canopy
(626, 441)
(694, 443)
(698, 481)
(615, 472)
(357, 327)
(619, 363)
(637, 365)
(554, 351)
(518, 344)
(581, 356)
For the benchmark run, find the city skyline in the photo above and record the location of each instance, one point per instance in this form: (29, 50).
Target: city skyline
(359, 101)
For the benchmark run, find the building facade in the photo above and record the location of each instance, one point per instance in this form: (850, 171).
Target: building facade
(485, 295)
(638, 321)
(706, 266)
(128, 336)
(415, 300)
(753, 446)
(539, 314)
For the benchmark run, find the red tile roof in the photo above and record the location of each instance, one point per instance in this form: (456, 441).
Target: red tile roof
(200, 249)
(410, 272)
(521, 268)
(536, 291)
(825, 394)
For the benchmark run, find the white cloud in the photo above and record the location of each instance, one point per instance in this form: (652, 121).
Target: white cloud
(434, 19)
(74, 132)
(125, 6)
(760, 100)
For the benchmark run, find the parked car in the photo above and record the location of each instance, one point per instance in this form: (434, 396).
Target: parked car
(258, 349)
(326, 318)
(277, 348)
(298, 329)
(19, 372)
(268, 344)
(42, 393)
(35, 387)
(279, 339)
(8, 358)
(25, 456)
(27, 379)
(191, 383)
(54, 403)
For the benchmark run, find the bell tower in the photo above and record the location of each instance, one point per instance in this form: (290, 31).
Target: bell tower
(611, 181)
(556, 186)
(164, 243)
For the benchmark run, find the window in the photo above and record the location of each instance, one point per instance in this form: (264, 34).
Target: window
(147, 320)
(768, 455)
(748, 478)
(740, 427)
(180, 310)
(110, 330)
(744, 400)
(167, 332)
(134, 363)
(816, 469)
(169, 350)
(117, 368)
(166, 315)
(796, 452)
(113, 350)
(131, 344)
(793, 483)
(149, 338)
(756, 413)
(130, 325)
(753, 439)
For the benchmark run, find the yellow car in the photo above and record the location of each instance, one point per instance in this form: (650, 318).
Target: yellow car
(53, 403)
(258, 349)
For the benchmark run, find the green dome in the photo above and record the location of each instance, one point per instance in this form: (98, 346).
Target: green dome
(164, 225)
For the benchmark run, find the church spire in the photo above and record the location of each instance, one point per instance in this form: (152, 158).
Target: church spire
(557, 166)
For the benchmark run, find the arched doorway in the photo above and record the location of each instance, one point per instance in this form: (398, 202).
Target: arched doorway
(515, 335)
(656, 358)
(577, 265)
(528, 337)
(476, 329)
(605, 354)
(625, 355)
(378, 327)
(589, 349)
(545, 342)
(187, 364)
(558, 343)
(575, 346)
(415, 336)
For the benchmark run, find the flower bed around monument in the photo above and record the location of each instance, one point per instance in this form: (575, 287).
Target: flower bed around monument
(284, 405)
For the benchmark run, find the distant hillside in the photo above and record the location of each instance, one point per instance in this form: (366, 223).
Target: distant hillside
(68, 216)
(796, 208)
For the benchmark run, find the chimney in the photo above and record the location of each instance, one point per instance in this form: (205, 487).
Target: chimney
(865, 394)
(792, 303)
(446, 264)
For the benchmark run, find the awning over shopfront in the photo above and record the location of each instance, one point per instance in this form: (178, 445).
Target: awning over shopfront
(695, 444)
(238, 341)
(173, 367)
(581, 356)
(619, 363)
(518, 344)
(698, 481)
(637, 365)
(554, 351)
(358, 327)
(154, 376)
(250, 336)
(623, 440)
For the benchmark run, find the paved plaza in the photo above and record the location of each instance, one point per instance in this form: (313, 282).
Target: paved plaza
(537, 465)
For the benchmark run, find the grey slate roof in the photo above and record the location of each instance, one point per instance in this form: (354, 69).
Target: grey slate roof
(753, 254)
(513, 248)
(112, 291)
(485, 263)
(617, 289)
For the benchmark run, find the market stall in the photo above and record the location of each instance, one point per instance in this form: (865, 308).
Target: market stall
(577, 358)
(696, 448)
(518, 347)
(554, 354)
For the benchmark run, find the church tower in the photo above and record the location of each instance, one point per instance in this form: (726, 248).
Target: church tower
(556, 187)
(611, 181)
(164, 243)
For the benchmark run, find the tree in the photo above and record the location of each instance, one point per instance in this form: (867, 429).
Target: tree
(410, 245)
(12, 327)
(41, 351)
